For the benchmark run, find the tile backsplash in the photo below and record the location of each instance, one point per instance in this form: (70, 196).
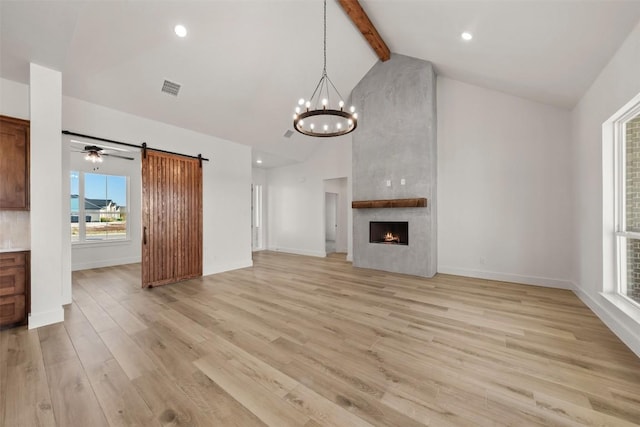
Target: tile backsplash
(14, 229)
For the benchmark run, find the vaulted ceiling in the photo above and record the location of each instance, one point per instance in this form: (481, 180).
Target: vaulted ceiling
(244, 64)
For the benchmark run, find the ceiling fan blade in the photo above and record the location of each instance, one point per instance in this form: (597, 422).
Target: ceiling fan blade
(117, 155)
(85, 144)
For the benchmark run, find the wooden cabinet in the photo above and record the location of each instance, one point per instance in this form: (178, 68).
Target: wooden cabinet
(14, 164)
(14, 288)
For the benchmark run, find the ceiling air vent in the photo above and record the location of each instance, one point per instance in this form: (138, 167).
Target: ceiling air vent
(288, 134)
(171, 88)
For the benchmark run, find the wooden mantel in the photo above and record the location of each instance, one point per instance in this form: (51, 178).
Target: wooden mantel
(420, 202)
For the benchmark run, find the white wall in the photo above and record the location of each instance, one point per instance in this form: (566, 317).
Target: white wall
(50, 277)
(296, 199)
(618, 83)
(226, 177)
(14, 99)
(504, 187)
(103, 254)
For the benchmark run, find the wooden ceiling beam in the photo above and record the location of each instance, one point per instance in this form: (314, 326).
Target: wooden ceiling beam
(359, 17)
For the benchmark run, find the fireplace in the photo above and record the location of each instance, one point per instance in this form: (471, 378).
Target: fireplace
(389, 232)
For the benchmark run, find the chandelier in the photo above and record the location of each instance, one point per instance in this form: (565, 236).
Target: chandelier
(324, 114)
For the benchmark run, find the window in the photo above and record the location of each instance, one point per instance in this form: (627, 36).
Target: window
(627, 214)
(98, 207)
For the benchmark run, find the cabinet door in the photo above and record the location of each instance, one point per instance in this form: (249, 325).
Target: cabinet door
(12, 280)
(12, 310)
(14, 164)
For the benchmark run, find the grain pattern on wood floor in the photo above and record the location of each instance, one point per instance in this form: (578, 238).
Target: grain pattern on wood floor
(302, 341)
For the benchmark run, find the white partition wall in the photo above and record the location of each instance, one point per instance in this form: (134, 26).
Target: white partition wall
(46, 204)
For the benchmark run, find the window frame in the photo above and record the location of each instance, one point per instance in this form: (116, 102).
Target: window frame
(621, 234)
(82, 237)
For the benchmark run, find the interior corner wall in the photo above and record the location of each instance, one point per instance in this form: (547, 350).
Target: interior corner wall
(296, 199)
(504, 187)
(226, 177)
(616, 85)
(47, 266)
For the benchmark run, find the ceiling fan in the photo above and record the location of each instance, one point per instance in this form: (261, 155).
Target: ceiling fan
(95, 153)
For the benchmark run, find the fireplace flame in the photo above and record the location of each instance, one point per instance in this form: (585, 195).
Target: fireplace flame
(389, 237)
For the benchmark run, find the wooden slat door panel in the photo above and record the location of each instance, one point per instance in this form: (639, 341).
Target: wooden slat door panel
(171, 217)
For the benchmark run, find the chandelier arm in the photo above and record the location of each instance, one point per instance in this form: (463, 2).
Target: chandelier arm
(319, 85)
(335, 88)
(325, 88)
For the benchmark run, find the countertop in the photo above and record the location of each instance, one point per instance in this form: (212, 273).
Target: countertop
(4, 250)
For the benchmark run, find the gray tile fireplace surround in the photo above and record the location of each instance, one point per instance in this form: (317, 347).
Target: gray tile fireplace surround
(395, 141)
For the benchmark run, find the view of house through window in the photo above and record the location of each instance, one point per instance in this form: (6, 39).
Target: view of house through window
(630, 222)
(98, 207)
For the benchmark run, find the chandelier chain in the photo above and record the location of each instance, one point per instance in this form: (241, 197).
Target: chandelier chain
(325, 37)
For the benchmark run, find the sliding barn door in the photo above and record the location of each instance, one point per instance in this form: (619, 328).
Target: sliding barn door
(171, 218)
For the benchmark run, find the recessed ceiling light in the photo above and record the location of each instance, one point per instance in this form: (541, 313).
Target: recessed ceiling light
(180, 30)
(258, 161)
(466, 36)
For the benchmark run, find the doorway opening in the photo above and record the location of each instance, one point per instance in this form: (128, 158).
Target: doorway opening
(335, 216)
(331, 221)
(257, 229)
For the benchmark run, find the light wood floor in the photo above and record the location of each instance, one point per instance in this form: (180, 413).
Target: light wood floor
(309, 342)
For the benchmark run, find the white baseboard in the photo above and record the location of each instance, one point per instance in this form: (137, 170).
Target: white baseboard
(37, 320)
(350, 257)
(104, 263)
(320, 254)
(132, 260)
(606, 313)
(507, 277)
(214, 269)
